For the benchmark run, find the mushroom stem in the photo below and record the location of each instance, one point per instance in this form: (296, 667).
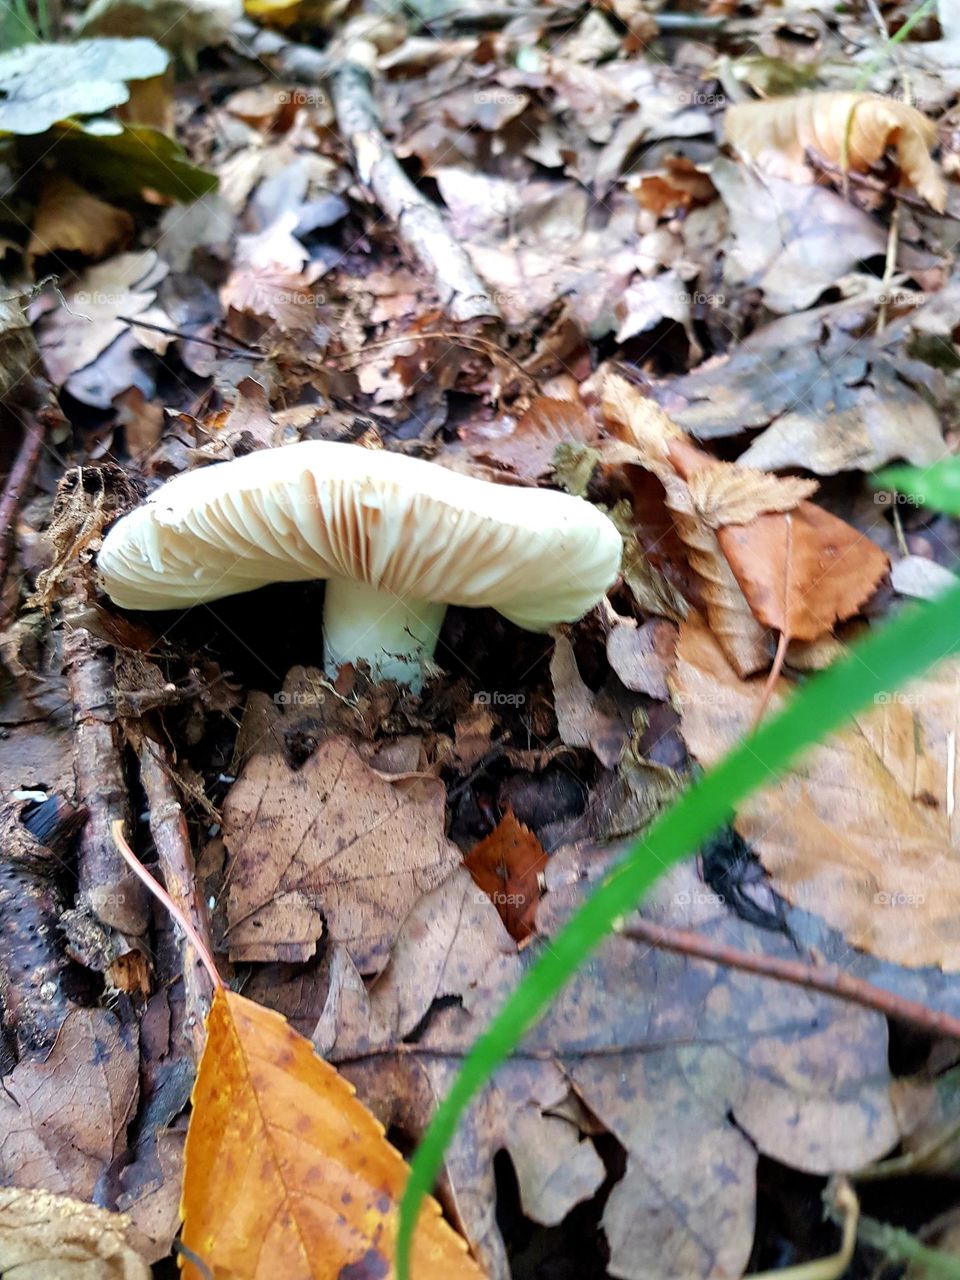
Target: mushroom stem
(393, 635)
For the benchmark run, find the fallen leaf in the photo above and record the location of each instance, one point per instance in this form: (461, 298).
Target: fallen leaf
(529, 449)
(861, 829)
(41, 84)
(828, 403)
(69, 218)
(51, 1237)
(792, 242)
(64, 1119)
(331, 842)
(584, 719)
(921, 578)
(850, 130)
(643, 655)
(725, 495)
(75, 334)
(286, 1173)
(508, 866)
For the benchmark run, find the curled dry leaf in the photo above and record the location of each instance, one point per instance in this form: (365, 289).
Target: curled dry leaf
(848, 130)
(333, 841)
(48, 1237)
(287, 1173)
(865, 825)
(508, 866)
(736, 495)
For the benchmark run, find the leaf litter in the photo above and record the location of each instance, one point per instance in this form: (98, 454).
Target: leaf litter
(708, 290)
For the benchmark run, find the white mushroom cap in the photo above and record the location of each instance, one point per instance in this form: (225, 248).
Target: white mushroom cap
(412, 531)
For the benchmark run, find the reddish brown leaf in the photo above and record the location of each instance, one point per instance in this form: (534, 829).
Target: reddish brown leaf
(508, 866)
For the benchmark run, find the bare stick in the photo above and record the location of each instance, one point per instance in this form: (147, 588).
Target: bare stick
(159, 892)
(418, 222)
(829, 980)
(21, 473)
(171, 838)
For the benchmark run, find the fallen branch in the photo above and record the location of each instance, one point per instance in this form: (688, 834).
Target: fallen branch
(21, 473)
(826, 979)
(171, 839)
(418, 222)
(86, 499)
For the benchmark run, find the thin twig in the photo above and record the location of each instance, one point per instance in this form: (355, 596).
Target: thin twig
(238, 349)
(19, 478)
(171, 839)
(836, 1264)
(158, 891)
(472, 341)
(418, 222)
(824, 978)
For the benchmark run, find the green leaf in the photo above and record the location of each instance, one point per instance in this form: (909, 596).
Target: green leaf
(937, 486)
(916, 640)
(121, 160)
(41, 84)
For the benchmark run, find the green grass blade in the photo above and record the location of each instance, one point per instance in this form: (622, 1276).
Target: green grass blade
(937, 486)
(920, 637)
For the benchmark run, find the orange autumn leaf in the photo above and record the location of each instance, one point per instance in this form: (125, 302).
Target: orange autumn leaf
(507, 865)
(287, 1174)
(851, 131)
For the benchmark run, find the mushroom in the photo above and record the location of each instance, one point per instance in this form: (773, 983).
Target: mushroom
(396, 538)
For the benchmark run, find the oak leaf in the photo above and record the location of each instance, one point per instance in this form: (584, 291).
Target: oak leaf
(850, 130)
(287, 1173)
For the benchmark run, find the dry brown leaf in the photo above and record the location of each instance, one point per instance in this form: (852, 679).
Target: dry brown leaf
(726, 494)
(508, 866)
(50, 1237)
(70, 219)
(765, 556)
(547, 423)
(803, 571)
(661, 445)
(333, 841)
(287, 1173)
(846, 129)
(64, 1120)
(643, 656)
(864, 832)
(584, 718)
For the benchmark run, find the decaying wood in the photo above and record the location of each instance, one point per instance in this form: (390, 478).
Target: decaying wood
(32, 849)
(418, 222)
(171, 838)
(106, 888)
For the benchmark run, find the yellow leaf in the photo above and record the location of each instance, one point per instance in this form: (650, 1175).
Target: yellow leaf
(287, 1173)
(849, 130)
